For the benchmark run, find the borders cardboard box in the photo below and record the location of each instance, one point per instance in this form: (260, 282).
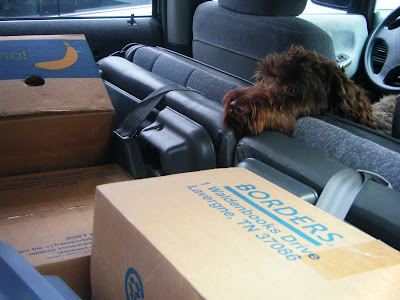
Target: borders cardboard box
(48, 218)
(229, 234)
(55, 112)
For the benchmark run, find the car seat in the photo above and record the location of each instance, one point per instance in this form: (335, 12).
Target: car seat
(233, 35)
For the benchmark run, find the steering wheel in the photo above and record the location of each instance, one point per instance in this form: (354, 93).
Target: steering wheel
(387, 33)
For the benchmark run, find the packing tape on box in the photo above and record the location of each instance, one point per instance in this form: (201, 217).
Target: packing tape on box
(355, 259)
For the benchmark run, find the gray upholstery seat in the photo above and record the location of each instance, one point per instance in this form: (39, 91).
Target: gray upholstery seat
(351, 150)
(212, 83)
(378, 137)
(233, 35)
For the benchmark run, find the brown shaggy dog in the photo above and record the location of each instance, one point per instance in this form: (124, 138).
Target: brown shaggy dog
(292, 85)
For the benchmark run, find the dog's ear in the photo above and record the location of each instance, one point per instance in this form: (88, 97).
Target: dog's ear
(266, 66)
(345, 98)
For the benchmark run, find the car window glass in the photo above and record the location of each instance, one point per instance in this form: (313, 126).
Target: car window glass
(316, 9)
(73, 8)
(387, 4)
(312, 8)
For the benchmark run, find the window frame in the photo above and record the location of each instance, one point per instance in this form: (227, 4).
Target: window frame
(53, 9)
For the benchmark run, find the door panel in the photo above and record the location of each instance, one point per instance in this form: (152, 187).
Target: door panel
(349, 33)
(104, 35)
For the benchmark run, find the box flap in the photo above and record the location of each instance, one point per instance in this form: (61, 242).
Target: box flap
(41, 192)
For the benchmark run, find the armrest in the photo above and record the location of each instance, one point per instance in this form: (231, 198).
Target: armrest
(289, 157)
(280, 179)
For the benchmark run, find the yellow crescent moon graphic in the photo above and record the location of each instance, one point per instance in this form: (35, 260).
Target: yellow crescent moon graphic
(71, 56)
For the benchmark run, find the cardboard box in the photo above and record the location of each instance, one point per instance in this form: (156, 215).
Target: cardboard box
(229, 234)
(48, 218)
(55, 112)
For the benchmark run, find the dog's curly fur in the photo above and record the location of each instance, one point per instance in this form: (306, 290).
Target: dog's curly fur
(382, 113)
(292, 85)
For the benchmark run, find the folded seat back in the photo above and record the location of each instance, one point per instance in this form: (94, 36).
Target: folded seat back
(146, 69)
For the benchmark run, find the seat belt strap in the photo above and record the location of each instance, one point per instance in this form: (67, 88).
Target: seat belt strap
(130, 124)
(341, 191)
(128, 50)
(126, 150)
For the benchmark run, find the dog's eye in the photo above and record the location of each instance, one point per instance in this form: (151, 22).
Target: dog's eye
(292, 90)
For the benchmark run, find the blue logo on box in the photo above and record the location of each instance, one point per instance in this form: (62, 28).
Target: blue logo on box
(133, 285)
(48, 58)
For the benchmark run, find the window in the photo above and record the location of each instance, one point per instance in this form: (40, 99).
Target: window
(73, 8)
(387, 4)
(312, 8)
(315, 9)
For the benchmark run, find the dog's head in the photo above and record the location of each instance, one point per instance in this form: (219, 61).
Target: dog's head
(290, 85)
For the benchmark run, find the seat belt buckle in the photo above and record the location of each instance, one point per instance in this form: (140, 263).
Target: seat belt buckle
(124, 137)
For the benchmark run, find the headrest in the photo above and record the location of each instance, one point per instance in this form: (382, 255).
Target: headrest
(266, 7)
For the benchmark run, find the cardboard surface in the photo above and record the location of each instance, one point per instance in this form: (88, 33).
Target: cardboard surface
(55, 112)
(50, 237)
(74, 271)
(229, 234)
(48, 218)
(49, 191)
